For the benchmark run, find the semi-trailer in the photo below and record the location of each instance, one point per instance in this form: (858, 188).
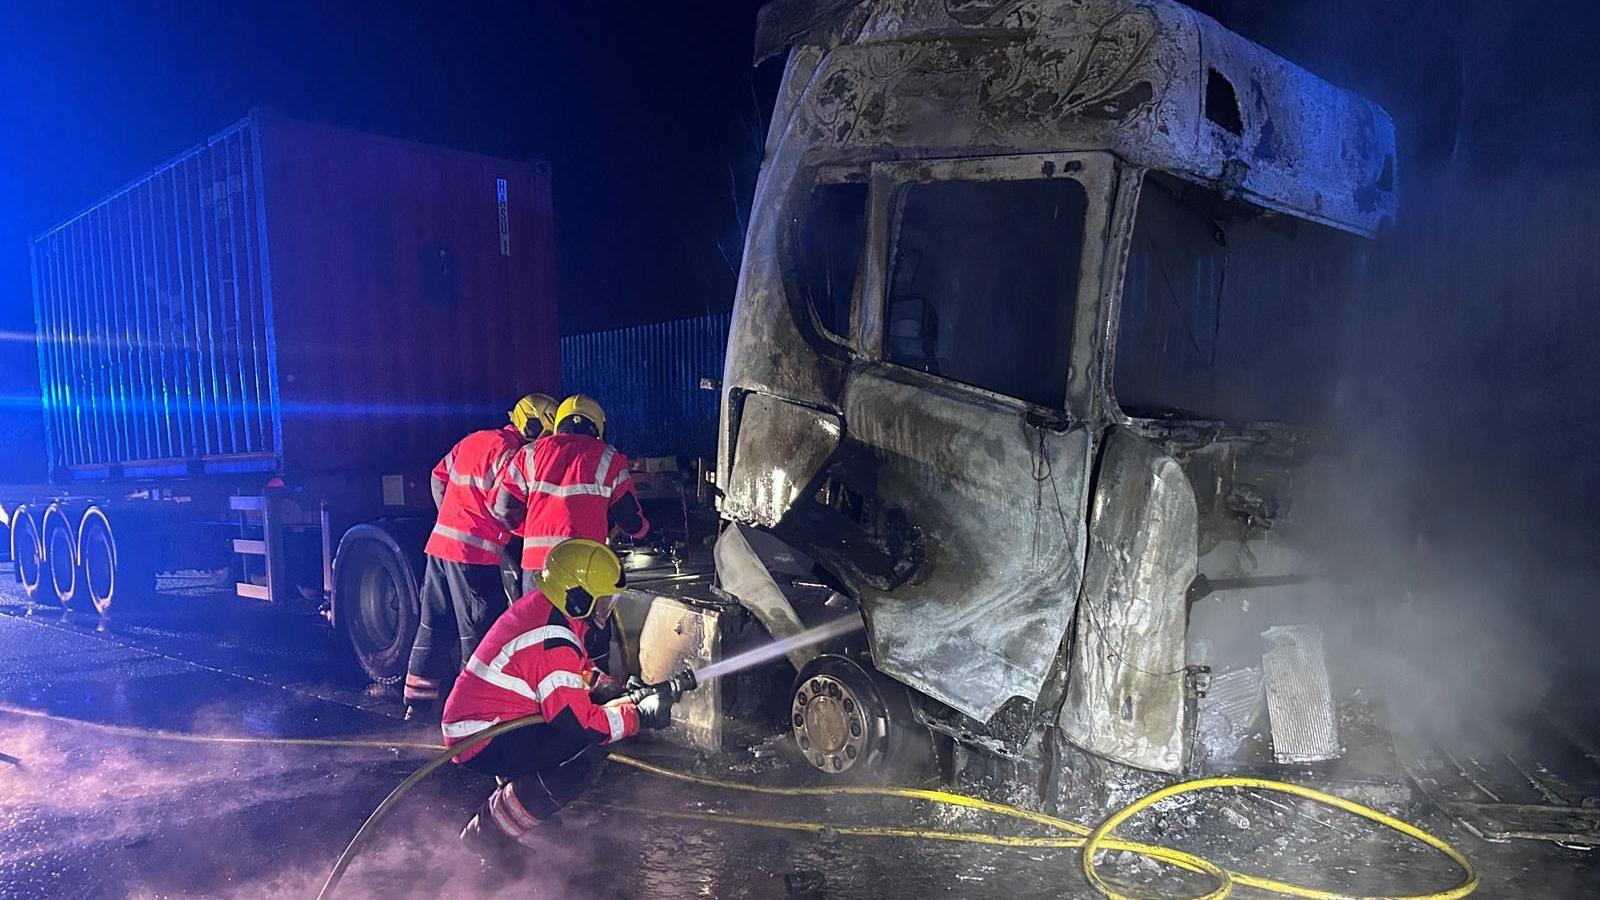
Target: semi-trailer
(252, 356)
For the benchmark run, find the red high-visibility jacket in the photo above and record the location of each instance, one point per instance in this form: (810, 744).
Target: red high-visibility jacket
(466, 531)
(532, 661)
(564, 486)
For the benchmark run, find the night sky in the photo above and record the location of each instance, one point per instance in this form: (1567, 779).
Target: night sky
(649, 112)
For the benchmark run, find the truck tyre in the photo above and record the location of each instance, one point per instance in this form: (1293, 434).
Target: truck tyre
(61, 557)
(27, 550)
(375, 601)
(111, 572)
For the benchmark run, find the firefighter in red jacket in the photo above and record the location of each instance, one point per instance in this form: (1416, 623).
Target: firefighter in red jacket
(462, 589)
(532, 661)
(570, 484)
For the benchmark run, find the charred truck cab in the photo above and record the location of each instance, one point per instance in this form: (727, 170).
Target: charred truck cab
(993, 242)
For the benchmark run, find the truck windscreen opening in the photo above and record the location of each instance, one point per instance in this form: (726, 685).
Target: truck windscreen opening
(983, 281)
(1230, 312)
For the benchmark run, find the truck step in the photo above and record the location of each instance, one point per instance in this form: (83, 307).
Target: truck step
(247, 504)
(252, 591)
(250, 547)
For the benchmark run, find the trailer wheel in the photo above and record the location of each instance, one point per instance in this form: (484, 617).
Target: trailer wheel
(377, 602)
(109, 572)
(851, 723)
(97, 560)
(27, 550)
(61, 555)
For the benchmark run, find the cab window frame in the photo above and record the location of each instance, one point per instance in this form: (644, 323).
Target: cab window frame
(802, 307)
(1095, 171)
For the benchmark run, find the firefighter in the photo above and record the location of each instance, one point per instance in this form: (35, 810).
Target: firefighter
(571, 484)
(532, 661)
(462, 588)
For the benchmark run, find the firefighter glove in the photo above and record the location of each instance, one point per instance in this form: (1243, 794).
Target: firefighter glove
(655, 712)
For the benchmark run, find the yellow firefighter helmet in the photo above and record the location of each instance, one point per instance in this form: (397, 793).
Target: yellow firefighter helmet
(578, 575)
(582, 407)
(534, 410)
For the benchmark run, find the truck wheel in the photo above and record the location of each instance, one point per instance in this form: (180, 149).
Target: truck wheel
(27, 549)
(61, 554)
(851, 723)
(110, 573)
(377, 602)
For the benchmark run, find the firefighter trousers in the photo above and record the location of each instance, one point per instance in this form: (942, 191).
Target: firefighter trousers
(459, 603)
(541, 771)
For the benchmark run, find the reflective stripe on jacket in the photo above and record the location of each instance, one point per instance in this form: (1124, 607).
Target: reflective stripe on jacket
(559, 487)
(532, 661)
(466, 532)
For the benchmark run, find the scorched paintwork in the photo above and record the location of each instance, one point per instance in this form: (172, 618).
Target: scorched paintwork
(958, 516)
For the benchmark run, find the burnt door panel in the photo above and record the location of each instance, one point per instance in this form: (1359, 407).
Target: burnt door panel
(997, 508)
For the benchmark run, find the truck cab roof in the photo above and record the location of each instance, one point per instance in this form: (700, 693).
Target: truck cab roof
(1153, 81)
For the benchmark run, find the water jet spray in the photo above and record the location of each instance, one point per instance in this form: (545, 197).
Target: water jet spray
(755, 656)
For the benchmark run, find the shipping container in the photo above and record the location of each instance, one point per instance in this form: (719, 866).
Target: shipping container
(293, 298)
(258, 351)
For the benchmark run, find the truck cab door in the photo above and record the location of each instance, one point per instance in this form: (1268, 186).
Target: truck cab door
(954, 503)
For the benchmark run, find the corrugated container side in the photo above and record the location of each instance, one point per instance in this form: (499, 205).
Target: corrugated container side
(414, 289)
(648, 380)
(153, 335)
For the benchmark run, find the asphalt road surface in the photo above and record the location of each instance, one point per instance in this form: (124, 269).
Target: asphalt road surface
(87, 813)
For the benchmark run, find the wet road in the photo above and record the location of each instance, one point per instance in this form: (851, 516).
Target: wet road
(91, 813)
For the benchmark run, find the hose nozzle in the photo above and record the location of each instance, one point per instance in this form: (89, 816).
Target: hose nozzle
(670, 689)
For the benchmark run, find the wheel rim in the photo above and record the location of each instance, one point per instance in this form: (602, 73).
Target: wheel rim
(837, 725)
(99, 566)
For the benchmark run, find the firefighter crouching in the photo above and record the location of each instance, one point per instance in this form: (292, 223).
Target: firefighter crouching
(462, 589)
(570, 484)
(532, 661)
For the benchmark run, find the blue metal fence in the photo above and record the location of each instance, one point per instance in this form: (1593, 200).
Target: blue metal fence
(648, 379)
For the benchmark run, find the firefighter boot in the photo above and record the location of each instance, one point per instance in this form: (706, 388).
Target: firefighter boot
(498, 850)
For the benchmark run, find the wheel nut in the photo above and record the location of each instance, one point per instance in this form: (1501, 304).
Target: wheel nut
(855, 728)
(849, 705)
(804, 744)
(799, 720)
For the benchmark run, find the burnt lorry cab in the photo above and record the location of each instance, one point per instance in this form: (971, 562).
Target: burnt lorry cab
(985, 369)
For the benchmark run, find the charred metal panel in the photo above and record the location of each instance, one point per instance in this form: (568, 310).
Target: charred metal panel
(1000, 522)
(676, 636)
(959, 77)
(746, 577)
(1125, 694)
(782, 447)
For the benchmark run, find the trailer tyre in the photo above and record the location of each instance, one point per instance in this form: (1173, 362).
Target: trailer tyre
(27, 550)
(110, 572)
(61, 557)
(377, 601)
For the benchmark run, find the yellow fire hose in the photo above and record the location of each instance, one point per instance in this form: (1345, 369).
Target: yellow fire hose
(1072, 834)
